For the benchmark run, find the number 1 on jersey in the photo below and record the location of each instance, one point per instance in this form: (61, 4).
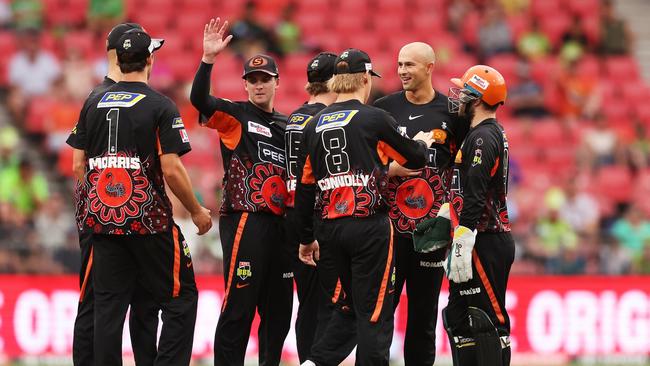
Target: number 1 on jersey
(113, 118)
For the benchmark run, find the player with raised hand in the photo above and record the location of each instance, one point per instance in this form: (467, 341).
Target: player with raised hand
(482, 251)
(257, 258)
(417, 195)
(345, 155)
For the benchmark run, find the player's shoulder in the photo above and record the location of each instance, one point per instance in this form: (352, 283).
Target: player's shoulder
(390, 99)
(308, 109)
(488, 131)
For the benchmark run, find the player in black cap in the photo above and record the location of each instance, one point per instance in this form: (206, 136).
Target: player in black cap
(417, 195)
(257, 258)
(345, 155)
(315, 299)
(132, 137)
(143, 318)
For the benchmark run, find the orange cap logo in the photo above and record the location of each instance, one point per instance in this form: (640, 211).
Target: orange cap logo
(258, 62)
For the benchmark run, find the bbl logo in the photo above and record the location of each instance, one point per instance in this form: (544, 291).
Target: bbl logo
(244, 270)
(186, 250)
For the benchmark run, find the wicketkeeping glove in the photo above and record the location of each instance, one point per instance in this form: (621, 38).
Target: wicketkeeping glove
(433, 233)
(459, 259)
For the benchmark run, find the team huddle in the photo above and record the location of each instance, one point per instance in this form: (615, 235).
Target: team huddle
(351, 201)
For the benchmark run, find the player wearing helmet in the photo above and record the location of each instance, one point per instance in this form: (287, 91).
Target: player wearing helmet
(482, 250)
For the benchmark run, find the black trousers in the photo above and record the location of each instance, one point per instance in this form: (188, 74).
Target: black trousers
(143, 319)
(315, 301)
(422, 273)
(258, 275)
(492, 259)
(163, 264)
(361, 252)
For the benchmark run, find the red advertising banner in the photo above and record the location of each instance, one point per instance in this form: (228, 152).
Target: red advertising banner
(554, 319)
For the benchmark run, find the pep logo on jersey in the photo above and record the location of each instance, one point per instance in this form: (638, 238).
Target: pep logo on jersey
(271, 154)
(120, 99)
(335, 119)
(298, 121)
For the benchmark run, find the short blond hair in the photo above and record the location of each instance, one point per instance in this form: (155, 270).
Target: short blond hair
(346, 83)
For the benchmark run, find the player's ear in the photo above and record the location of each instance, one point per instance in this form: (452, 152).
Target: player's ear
(277, 82)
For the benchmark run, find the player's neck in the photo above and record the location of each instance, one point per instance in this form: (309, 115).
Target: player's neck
(114, 74)
(135, 77)
(327, 98)
(481, 116)
(358, 95)
(421, 96)
(265, 107)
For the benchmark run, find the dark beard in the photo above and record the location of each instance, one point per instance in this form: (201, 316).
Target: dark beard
(469, 113)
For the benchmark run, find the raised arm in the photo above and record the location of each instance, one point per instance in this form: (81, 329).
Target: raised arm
(213, 44)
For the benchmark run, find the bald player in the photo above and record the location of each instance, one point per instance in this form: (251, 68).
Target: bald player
(416, 195)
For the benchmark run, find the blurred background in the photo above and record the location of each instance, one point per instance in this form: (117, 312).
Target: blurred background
(577, 119)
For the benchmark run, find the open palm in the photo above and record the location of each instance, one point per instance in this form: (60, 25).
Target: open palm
(213, 41)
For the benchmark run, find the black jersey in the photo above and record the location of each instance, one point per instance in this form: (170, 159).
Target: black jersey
(414, 199)
(347, 147)
(81, 188)
(292, 139)
(252, 148)
(480, 182)
(123, 132)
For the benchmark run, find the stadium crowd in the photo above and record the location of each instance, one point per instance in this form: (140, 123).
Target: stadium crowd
(578, 127)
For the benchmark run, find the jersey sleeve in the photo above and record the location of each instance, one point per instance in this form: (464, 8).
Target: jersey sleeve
(172, 137)
(305, 192)
(392, 144)
(77, 137)
(482, 152)
(217, 113)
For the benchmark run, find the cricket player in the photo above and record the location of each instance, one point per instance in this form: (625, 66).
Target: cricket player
(345, 159)
(482, 251)
(416, 195)
(132, 138)
(143, 319)
(257, 258)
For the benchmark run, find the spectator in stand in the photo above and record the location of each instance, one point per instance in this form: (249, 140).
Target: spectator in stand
(615, 36)
(32, 71)
(52, 223)
(494, 33)
(574, 41)
(534, 44)
(614, 259)
(61, 117)
(77, 74)
(457, 12)
(5, 17)
(632, 231)
(570, 262)
(580, 209)
(287, 31)
(248, 34)
(638, 150)
(9, 139)
(556, 236)
(27, 13)
(527, 97)
(579, 93)
(642, 265)
(23, 189)
(600, 146)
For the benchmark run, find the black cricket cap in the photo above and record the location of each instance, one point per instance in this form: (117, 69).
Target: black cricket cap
(321, 67)
(136, 45)
(117, 32)
(357, 60)
(261, 63)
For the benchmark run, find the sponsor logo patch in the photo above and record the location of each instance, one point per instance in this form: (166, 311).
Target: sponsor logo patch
(298, 121)
(119, 99)
(335, 119)
(478, 157)
(178, 123)
(271, 154)
(479, 81)
(259, 129)
(184, 137)
(244, 270)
